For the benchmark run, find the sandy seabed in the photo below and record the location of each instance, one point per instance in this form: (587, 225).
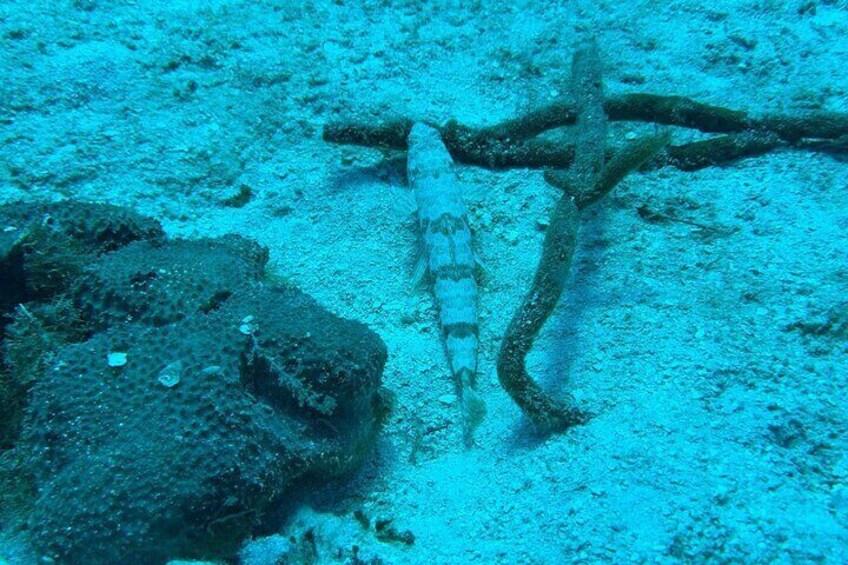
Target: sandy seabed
(719, 433)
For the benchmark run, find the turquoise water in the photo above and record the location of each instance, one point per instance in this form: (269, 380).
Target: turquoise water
(702, 326)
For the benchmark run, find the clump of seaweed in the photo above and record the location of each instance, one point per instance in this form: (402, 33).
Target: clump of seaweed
(31, 339)
(52, 260)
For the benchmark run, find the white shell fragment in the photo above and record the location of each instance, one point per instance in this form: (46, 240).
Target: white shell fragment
(116, 359)
(248, 325)
(170, 376)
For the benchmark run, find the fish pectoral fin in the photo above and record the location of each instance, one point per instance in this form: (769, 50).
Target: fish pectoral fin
(481, 269)
(419, 273)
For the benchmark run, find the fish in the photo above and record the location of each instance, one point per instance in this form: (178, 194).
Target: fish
(447, 260)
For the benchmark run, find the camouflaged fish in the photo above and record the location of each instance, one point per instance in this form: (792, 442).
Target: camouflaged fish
(448, 260)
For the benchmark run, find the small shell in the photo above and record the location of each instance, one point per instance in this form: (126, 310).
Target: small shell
(116, 359)
(447, 399)
(170, 376)
(248, 325)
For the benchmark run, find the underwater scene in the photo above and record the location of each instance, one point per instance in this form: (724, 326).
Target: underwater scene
(423, 282)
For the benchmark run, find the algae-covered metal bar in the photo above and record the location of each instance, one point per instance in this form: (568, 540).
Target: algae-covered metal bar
(513, 143)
